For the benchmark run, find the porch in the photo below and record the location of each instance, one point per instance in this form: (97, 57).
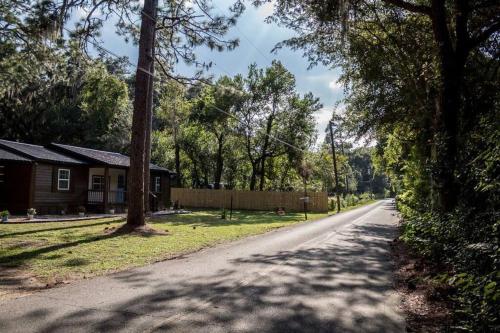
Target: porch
(107, 189)
(95, 197)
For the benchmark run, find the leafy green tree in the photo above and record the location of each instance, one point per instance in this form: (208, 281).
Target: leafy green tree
(105, 109)
(214, 110)
(171, 116)
(454, 31)
(51, 96)
(271, 113)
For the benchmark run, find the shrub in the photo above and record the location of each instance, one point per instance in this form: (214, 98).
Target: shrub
(468, 243)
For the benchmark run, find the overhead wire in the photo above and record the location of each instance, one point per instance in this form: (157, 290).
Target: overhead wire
(127, 60)
(100, 47)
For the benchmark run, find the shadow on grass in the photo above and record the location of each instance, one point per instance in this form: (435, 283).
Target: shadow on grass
(213, 219)
(20, 258)
(334, 286)
(29, 232)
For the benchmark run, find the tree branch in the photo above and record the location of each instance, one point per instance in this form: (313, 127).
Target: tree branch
(484, 35)
(409, 6)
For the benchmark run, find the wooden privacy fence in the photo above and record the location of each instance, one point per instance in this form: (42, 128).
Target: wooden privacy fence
(250, 200)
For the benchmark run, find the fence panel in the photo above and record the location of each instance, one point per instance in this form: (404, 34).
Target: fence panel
(250, 200)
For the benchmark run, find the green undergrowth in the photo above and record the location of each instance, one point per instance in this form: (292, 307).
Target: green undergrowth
(350, 201)
(464, 248)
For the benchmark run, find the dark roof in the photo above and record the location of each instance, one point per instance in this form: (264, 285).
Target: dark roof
(8, 156)
(37, 153)
(100, 156)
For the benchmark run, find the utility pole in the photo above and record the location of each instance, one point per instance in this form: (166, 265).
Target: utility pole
(335, 167)
(346, 171)
(305, 198)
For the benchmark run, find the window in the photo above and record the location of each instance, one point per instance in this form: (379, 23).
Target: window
(98, 183)
(157, 184)
(63, 177)
(2, 174)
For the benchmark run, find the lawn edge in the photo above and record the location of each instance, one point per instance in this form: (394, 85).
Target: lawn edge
(22, 292)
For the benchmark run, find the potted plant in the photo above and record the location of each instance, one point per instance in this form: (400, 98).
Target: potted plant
(31, 213)
(5, 216)
(111, 210)
(62, 210)
(81, 211)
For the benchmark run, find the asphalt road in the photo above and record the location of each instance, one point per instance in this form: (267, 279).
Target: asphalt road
(331, 275)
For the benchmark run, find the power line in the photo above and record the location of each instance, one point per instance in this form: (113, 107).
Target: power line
(96, 45)
(126, 59)
(249, 40)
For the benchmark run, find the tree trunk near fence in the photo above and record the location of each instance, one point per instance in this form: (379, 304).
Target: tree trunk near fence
(219, 165)
(177, 153)
(253, 177)
(263, 157)
(135, 216)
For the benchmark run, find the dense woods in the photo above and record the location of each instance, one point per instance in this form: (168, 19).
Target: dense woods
(422, 79)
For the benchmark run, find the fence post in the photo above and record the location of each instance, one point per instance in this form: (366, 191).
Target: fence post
(231, 209)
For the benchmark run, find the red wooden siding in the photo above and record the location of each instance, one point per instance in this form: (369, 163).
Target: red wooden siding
(15, 194)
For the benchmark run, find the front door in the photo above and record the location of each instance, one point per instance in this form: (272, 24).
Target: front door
(120, 189)
(3, 188)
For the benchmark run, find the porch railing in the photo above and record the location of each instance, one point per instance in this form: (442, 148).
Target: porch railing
(114, 197)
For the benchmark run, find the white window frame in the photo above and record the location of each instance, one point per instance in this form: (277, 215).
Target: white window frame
(157, 184)
(59, 179)
(100, 177)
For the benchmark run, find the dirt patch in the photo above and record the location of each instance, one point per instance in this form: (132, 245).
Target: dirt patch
(18, 281)
(21, 244)
(15, 282)
(144, 230)
(423, 300)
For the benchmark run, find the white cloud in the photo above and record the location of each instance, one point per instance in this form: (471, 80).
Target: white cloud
(334, 85)
(266, 9)
(324, 114)
(322, 117)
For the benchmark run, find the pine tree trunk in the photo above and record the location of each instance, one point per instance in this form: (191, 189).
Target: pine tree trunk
(147, 145)
(135, 217)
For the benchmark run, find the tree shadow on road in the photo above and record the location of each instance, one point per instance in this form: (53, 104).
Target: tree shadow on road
(336, 287)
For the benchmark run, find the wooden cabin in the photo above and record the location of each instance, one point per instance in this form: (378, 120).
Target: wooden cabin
(62, 177)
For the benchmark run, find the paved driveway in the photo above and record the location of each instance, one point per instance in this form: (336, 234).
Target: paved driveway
(331, 275)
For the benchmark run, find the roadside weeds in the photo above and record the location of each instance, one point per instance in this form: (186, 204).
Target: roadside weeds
(423, 300)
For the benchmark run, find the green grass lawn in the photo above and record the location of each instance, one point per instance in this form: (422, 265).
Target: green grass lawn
(348, 208)
(67, 250)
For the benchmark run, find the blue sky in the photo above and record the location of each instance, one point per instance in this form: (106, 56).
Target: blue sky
(257, 39)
